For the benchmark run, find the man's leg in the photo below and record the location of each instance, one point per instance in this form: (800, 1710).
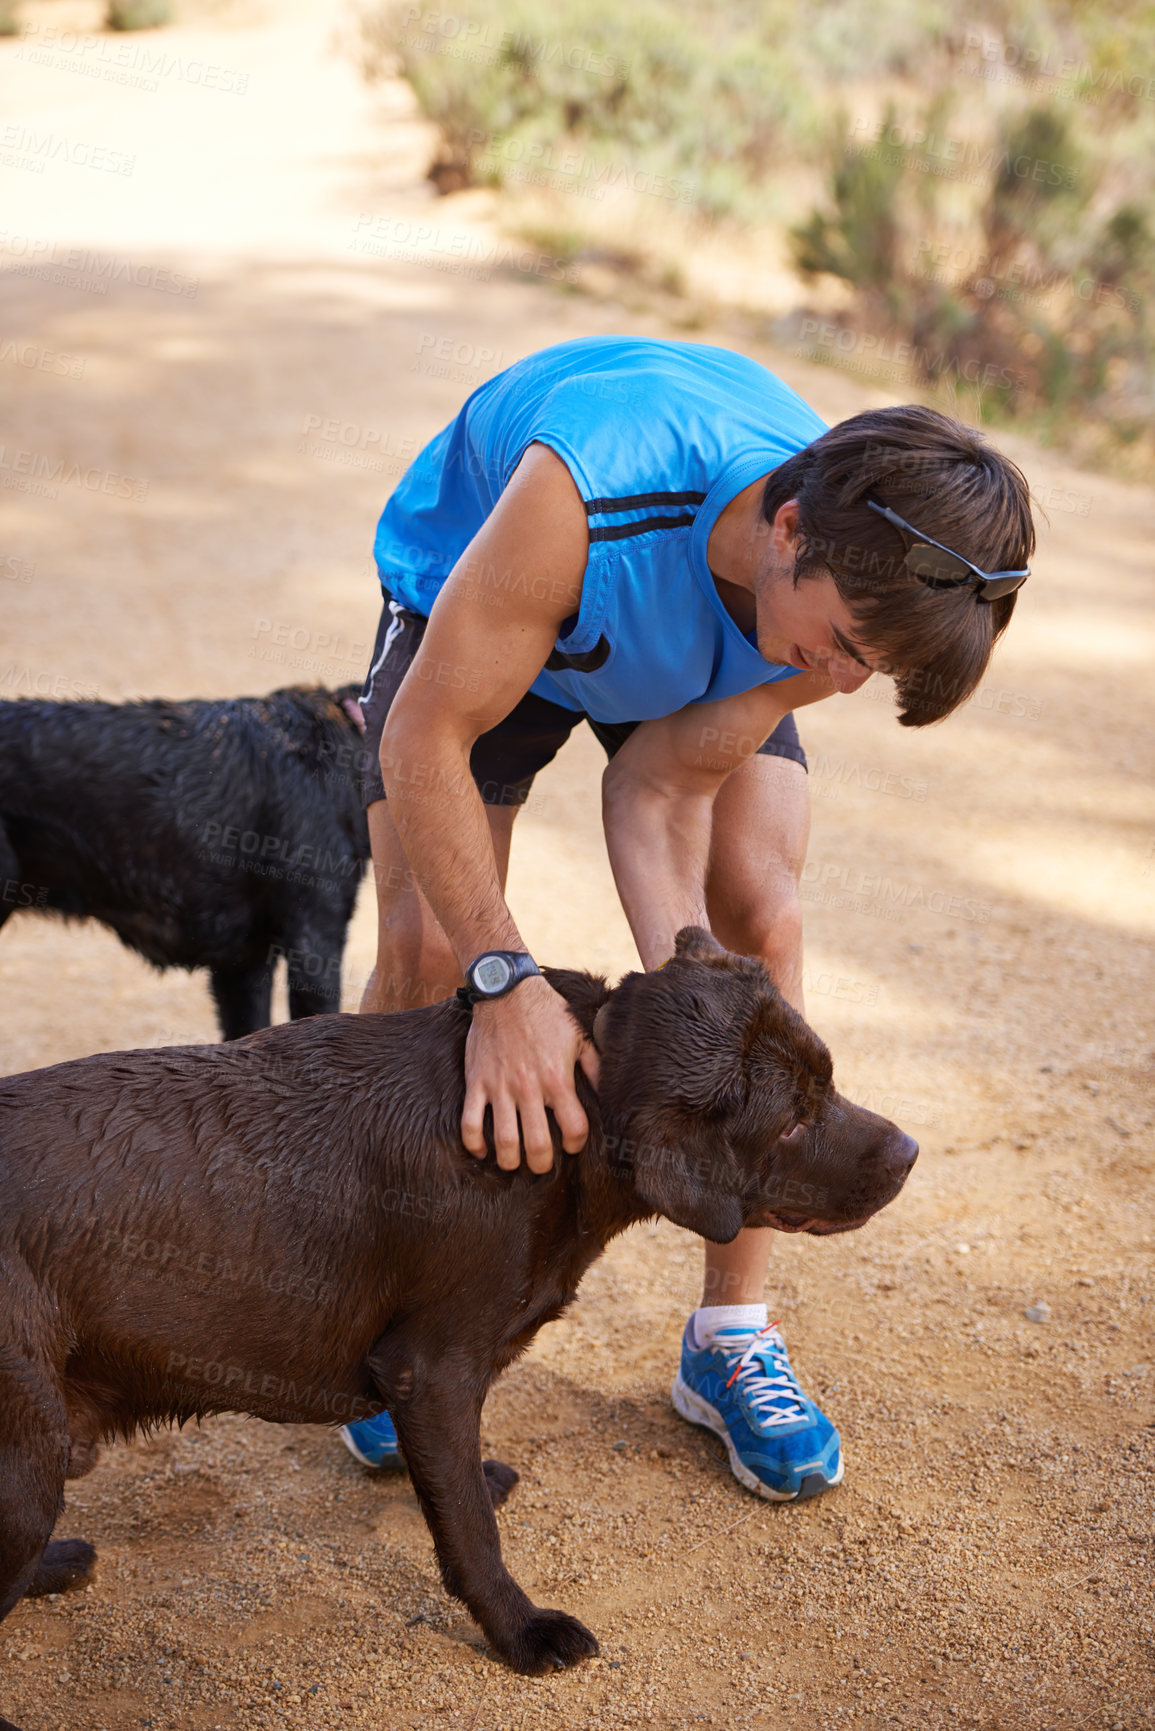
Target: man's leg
(415, 966)
(761, 833)
(735, 1376)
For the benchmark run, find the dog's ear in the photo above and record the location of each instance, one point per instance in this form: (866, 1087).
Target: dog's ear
(676, 1051)
(695, 944)
(701, 1067)
(694, 1182)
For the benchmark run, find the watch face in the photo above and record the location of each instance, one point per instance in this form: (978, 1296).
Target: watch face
(491, 974)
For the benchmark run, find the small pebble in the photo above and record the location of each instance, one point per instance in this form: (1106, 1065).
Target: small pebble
(1040, 1312)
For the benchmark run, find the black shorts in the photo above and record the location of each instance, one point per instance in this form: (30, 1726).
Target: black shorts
(505, 760)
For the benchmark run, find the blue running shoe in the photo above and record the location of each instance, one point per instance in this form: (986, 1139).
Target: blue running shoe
(373, 1441)
(740, 1386)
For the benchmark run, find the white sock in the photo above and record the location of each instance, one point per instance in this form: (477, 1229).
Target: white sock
(709, 1318)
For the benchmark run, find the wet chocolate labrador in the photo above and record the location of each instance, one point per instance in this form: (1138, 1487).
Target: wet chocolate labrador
(288, 1225)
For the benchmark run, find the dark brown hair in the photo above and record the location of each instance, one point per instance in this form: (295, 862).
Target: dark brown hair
(944, 478)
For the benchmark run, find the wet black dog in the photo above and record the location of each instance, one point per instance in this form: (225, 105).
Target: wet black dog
(289, 1226)
(207, 835)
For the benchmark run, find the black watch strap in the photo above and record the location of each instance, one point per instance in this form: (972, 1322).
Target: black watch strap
(494, 974)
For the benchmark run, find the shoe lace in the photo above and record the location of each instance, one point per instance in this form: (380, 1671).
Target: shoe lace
(765, 1378)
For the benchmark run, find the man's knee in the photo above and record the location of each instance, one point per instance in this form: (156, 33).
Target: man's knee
(393, 881)
(771, 929)
(415, 965)
(391, 988)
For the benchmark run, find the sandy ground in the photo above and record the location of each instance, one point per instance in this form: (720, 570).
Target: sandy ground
(222, 340)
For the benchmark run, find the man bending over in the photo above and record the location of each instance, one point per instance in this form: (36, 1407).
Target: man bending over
(662, 540)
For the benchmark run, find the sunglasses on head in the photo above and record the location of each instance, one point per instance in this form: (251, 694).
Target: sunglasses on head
(940, 567)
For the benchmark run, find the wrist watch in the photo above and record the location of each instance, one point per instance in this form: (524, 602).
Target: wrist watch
(495, 973)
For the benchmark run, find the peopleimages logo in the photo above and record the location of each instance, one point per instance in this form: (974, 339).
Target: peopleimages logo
(77, 267)
(535, 162)
(1030, 66)
(40, 360)
(993, 276)
(476, 40)
(17, 681)
(868, 352)
(890, 898)
(116, 61)
(37, 471)
(956, 158)
(189, 1378)
(24, 147)
(458, 252)
(871, 778)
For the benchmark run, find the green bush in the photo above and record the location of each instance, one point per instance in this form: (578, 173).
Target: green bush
(1040, 184)
(858, 239)
(1044, 315)
(761, 117)
(697, 100)
(138, 14)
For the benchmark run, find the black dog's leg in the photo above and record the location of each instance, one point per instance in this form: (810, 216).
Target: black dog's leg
(439, 1424)
(10, 872)
(244, 999)
(315, 974)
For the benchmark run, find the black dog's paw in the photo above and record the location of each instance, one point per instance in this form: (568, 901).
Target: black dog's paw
(66, 1564)
(500, 1479)
(549, 1641)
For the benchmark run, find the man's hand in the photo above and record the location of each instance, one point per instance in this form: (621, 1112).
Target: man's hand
(519, 1059)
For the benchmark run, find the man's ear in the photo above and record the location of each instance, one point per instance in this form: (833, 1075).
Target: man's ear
(695, 1183)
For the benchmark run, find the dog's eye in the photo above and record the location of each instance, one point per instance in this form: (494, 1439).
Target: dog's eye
(793, 1131)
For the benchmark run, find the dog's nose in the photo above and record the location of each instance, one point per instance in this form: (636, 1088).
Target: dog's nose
(900, 1154)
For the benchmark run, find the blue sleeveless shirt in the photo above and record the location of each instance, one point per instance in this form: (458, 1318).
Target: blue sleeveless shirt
(659, 437)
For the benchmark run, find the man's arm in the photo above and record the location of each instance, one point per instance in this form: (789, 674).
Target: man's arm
(490, 632)
(658, 803)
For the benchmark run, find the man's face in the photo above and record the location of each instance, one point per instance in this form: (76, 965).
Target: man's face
(809, 627)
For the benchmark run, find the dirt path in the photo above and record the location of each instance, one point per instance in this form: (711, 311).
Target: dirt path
(239, 315)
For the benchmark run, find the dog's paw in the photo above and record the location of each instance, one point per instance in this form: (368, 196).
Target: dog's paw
(65, 1564)
(500, 1479)
(549, 1641)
